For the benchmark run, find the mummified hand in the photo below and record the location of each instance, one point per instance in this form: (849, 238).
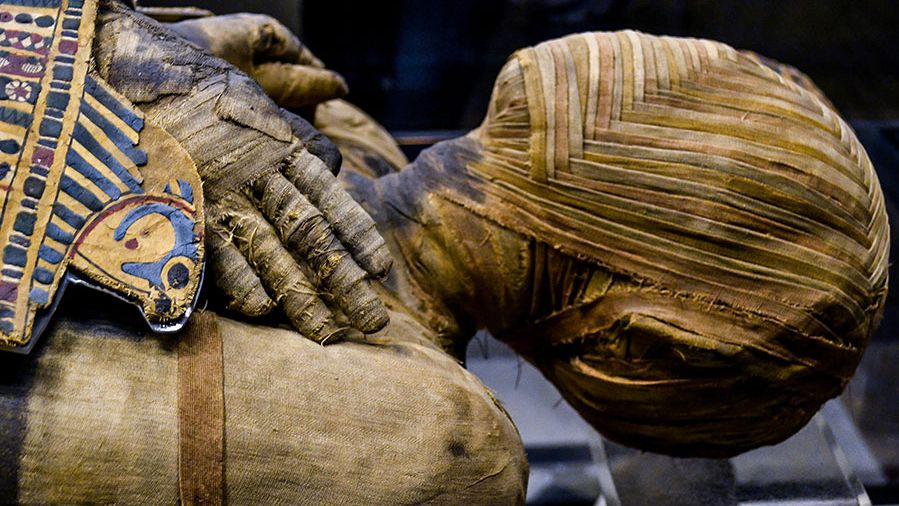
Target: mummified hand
(279, 226)
(269, 53)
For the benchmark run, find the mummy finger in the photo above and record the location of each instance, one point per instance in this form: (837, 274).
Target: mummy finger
(350, 223)
(279, 272)
(305, 231)
(309, 59)
(275, 42)
(298, 86)
(242, 289)
(272, 41)
(316, 142)
(245, 39)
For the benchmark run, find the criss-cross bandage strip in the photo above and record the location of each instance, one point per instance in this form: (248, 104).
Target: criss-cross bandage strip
(201, 412)
(697, 169)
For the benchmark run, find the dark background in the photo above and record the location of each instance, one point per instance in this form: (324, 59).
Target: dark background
(430, 64)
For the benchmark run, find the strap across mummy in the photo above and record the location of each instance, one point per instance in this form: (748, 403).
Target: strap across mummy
(91, 193)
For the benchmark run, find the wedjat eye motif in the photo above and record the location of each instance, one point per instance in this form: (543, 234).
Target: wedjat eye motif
(91, 193)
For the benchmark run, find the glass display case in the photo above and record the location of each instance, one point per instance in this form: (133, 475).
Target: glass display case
(809, 468)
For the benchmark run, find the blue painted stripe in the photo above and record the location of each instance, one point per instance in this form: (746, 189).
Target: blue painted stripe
(50, 255)
(39, 296)
(42, 275)
(24, 223)
(87, 140)
(14, 117)
(15, 255)
(67, 215)
(80, 193)
(78, 163)
(121, 141)
(187, 191)
(40, 171)
(57, 100)
(12, 273)
(35, 3)
(58, 234)
(63, 72)
(50, 127)
(119, 109)
(34, 187)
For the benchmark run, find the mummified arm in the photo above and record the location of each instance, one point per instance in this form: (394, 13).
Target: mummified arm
(441, 275)
(291, 75)
(279, 225)
(268, 52)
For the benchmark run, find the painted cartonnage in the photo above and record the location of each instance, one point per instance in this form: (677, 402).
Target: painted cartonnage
(80, 191)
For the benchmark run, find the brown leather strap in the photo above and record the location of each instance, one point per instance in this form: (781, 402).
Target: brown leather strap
(201, 412)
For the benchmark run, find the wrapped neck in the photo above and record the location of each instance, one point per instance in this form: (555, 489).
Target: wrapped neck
(455, 271)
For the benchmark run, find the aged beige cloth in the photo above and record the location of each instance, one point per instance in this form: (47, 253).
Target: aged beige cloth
(391, 421)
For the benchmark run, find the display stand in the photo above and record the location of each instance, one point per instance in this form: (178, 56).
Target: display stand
(808, 469)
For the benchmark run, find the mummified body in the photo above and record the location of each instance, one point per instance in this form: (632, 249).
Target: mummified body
(696, 244)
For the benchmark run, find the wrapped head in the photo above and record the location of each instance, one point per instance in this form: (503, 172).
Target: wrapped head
(735, 219)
